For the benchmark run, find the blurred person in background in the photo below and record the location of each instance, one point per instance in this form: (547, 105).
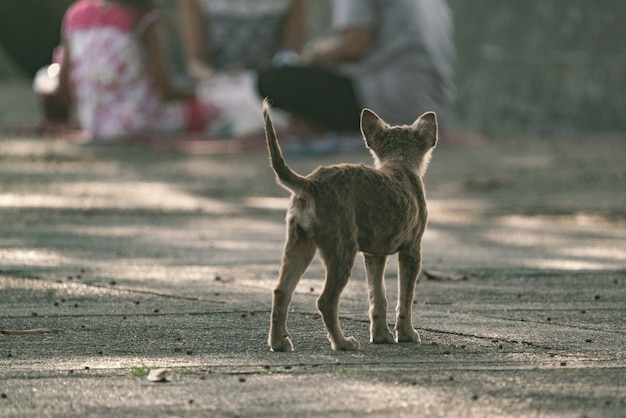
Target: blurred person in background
(112, 69)
(395, 57)
(224, 35)
(227, 42)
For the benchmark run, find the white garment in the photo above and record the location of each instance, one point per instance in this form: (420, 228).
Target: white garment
(409, 67)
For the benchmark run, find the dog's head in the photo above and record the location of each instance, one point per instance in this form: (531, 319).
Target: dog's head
(408, 145)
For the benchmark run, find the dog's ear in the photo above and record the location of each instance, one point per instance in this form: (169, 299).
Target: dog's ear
(427, 128)
(371, 124)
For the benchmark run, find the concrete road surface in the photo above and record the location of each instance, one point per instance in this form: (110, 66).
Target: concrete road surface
(130, 260)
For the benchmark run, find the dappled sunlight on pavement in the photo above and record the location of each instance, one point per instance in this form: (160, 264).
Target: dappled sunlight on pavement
(147, 259)
(550, 242)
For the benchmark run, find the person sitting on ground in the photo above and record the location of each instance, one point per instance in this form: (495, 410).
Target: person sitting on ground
(392, 56)
(113, 71)
(226, 42)
(222, 35)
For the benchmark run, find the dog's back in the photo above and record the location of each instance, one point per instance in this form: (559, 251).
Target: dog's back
(382, 207)
(342, 209)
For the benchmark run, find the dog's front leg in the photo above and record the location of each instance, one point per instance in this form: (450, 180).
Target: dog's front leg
(408, 269)
(375, 268)
(298, 254)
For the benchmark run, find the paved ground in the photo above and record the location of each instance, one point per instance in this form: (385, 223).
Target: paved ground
(149, 259)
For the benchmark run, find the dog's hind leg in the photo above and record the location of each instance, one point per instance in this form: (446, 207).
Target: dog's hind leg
(375, 268)
(298, 254)
(410, 260)
(339, 261)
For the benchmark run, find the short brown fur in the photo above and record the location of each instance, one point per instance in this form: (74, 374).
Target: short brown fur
(343, 209)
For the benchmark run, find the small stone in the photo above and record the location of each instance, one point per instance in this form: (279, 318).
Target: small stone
(162, 375)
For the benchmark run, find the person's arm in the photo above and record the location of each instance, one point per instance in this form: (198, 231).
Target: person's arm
(194, 39)
(58, 100)
(296, 26)
(157, 65)
(63, 92)
(350, 45)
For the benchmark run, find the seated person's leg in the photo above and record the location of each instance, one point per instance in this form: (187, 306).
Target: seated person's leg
(321, 97)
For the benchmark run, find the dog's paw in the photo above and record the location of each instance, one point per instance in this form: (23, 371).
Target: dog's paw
(283, 344)
(348, 344)
(409, 336)
(383, 337)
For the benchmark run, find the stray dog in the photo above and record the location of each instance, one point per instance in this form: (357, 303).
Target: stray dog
(347, 208)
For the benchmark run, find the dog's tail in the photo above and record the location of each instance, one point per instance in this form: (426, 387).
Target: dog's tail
(285, 176)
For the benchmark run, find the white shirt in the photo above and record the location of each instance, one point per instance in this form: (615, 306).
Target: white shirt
(409, 67)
